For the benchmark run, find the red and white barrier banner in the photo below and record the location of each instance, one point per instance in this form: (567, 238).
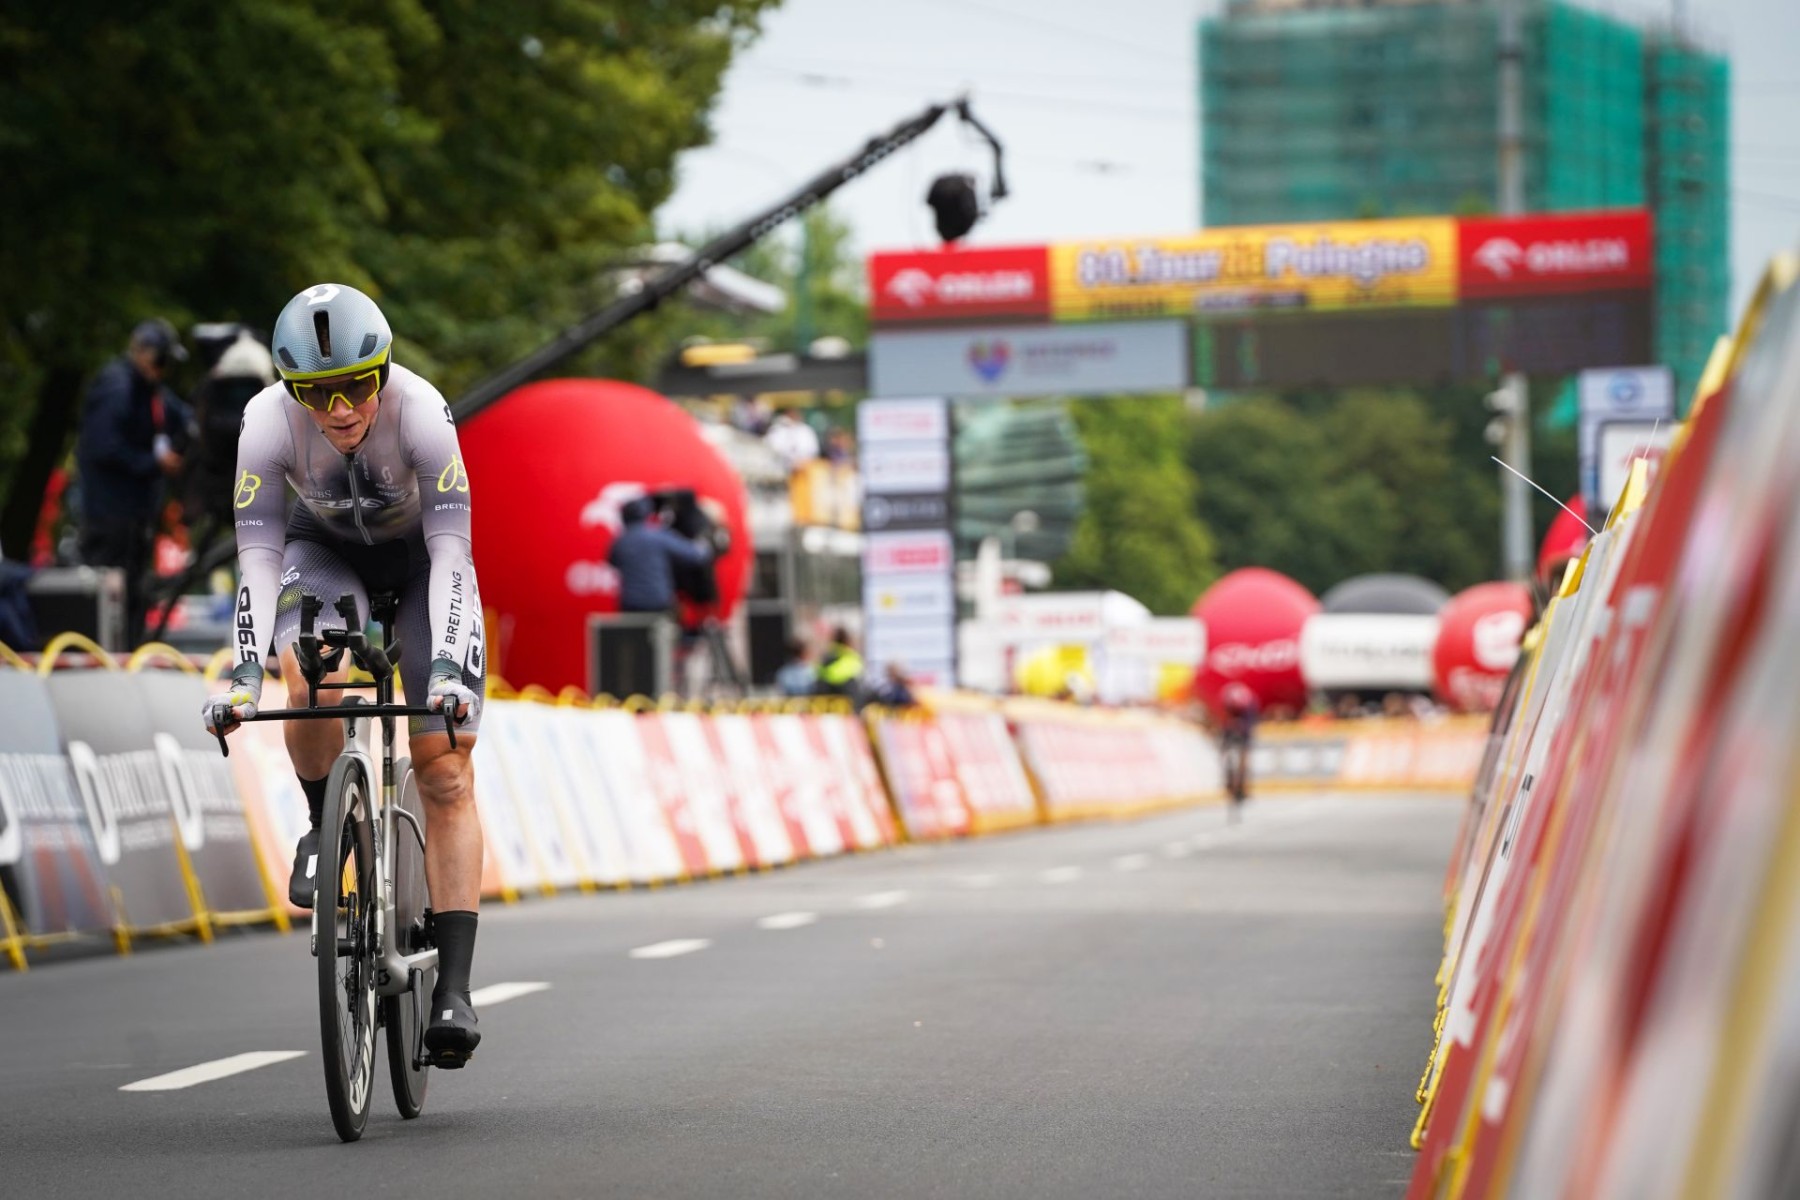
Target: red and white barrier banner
(1090, 763)
(922, 777)
(760, 821)
(1391, 755)
(987, 764)
(1620, 989)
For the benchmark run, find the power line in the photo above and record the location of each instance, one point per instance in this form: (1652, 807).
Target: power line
(1040, 99)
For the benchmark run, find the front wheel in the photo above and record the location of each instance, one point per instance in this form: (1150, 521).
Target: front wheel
(344, 941)
(405, 1015)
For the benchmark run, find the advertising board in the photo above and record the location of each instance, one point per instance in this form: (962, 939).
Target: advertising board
(1030, 360)
(1614, 394)
(1324, 267)
(1541, 255)
(1006, 282)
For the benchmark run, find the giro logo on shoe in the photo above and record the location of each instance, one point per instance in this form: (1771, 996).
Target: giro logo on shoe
(248, 486)
(453, 478)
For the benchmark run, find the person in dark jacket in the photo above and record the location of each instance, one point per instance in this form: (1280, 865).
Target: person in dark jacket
(132, 429)
(645, 556)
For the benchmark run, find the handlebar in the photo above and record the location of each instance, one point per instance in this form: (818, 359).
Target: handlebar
(221, 714)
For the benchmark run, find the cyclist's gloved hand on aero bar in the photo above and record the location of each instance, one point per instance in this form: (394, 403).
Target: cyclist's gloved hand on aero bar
(246, 691)
(446, 691)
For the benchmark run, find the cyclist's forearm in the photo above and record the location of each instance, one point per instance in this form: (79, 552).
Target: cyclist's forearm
(259, 578)
(455, 605)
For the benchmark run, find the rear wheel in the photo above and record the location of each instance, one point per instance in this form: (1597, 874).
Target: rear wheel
(405, 1014)
(344, 929)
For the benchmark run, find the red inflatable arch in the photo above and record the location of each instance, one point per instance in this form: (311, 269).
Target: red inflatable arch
(1478, 641)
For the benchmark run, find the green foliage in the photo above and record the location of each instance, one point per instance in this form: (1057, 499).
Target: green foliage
(1139, 532)
(475, 166)
(1326, 487)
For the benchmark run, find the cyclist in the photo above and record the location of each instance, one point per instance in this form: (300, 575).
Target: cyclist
(383, 505)
(1236, 731)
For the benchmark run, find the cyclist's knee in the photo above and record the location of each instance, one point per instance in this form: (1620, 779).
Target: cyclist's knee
(446, 778)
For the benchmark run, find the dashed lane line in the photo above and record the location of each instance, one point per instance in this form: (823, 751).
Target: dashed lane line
(1131, 862)
(880, 899)
(1177, 850)
(671, 949)
(982, 880)
(786, 920)
(206, 1072)
(500, 993)
(1061, 875)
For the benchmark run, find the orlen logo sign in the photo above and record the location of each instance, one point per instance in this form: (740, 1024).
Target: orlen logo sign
(946, 285)
(1550, 254)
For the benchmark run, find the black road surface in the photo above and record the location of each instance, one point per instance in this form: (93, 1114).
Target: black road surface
(1166, 1007)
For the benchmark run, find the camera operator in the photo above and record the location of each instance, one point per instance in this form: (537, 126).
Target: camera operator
(134, 431)
(648, 557)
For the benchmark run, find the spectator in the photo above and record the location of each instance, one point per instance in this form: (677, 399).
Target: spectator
(841, 667)
(646, 555)
(792, 440)
(131, 431)
(840, 447)
(895, 689)
(797, 676)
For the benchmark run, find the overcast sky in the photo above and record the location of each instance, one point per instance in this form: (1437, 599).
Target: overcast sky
(1096, 101)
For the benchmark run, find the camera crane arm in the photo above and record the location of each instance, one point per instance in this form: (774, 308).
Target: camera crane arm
(732, 242)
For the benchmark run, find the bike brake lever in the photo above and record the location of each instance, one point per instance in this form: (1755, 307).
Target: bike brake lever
(219, 714)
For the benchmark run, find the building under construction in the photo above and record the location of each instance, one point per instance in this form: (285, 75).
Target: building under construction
(1318, 110)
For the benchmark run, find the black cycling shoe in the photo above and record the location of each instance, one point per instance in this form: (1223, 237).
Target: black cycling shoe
(451, 1037)
(304, 879)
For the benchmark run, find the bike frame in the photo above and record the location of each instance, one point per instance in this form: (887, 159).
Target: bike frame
(393, 969)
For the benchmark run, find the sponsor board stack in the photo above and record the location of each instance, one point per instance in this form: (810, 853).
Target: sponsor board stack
(118, 816)
(1619, 1005)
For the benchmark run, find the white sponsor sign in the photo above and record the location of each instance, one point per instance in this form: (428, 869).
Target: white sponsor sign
(889, 467)
(911, 644)
(926, 420)
(1613, 394)
(910, 552)
(909, 596)
(1367, 650)
(1031, 360)
(1161, 640)
(1052, 616)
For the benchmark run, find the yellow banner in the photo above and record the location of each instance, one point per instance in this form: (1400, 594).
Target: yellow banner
(1334, 266)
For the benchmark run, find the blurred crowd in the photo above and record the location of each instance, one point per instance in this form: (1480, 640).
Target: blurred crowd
(794, 440)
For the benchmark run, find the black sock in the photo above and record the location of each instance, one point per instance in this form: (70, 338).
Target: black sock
(456, 951)
(315, 798)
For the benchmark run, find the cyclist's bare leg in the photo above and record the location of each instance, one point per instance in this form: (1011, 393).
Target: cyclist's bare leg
(453, 828)
(311, 745)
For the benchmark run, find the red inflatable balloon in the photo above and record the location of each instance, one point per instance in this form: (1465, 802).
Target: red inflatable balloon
(1567, 538)
(550, 466)
(1253, 619)
(1478, 641)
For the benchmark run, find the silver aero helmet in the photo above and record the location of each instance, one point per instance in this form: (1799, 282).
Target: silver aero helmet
(330, 329)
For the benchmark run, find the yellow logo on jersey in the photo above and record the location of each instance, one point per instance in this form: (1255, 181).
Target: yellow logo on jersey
(453, 478)
(248, 486)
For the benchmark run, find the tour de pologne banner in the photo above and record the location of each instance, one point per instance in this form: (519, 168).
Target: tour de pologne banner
(55, 879)
(111, 745)
(217, 836)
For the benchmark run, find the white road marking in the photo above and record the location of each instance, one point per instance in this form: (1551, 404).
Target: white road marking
(1177, 850)
(206, 1072)
(880, 900)
(671, 948)
(1131, 862)
(979, 881)
(1061, 875)
(500, 993)
(786, 920)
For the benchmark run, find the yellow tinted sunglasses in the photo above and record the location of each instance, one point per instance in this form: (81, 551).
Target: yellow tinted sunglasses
(321, 395)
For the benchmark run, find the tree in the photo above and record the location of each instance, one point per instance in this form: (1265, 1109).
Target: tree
(1139, 532)
(474, 166)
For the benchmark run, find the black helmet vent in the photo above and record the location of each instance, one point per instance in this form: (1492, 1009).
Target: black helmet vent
(287, 360)
(368, 346)
(322, 328)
